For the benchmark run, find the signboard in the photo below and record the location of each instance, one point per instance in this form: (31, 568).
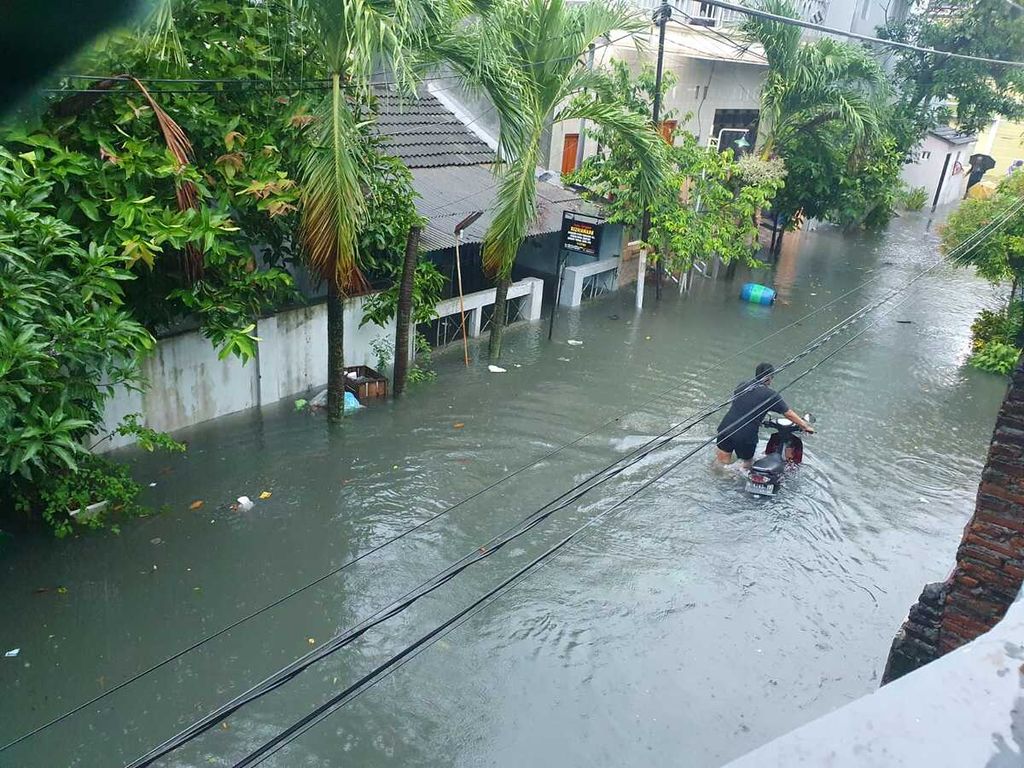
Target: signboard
(581, 233)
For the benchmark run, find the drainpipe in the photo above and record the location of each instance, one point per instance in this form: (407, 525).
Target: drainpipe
(583, 123)
(942, 178)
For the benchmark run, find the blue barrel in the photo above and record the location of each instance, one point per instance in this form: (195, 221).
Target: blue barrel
(757, 294)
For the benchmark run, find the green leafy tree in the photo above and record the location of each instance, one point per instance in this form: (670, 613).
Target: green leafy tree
(978, 91)
(720, 216)
(730, 193)
(825, 109)
(999, 258)
(527, 56)
(203, 214)
(66, 339)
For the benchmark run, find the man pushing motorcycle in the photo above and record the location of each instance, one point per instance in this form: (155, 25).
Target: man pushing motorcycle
(738, 431)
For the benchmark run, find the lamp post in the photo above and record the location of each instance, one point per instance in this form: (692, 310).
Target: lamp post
(459, 229)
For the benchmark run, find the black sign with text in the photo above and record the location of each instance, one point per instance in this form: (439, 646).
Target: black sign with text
(580, 233)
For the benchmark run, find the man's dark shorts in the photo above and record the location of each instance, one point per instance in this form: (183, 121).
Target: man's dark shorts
(742, 445)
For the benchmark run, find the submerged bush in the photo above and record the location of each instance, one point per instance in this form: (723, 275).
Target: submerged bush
(65, 343)
(912, 198)
(994, 337)
(996, 357)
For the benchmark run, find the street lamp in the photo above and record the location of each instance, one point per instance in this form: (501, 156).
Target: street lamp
(459, 229)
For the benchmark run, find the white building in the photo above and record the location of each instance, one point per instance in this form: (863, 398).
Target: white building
(718, 78)
(941, 165)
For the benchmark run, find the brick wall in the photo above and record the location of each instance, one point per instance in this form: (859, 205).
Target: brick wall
(989, 567)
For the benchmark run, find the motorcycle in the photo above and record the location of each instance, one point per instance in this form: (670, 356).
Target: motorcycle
(785, 450)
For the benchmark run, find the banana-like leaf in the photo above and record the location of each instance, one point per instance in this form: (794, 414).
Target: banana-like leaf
(333, 204)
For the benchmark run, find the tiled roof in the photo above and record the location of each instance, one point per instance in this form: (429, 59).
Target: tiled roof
(953, 136)
(448, 195)
(424, 134)
(451, 171)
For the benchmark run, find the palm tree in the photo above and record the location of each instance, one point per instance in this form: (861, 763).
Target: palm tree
(812, 91)
(526, 55)
(811, 87)
(357, 38)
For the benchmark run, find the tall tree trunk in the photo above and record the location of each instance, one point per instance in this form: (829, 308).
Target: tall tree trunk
(498, 318)
(403, 318)
(335, 353)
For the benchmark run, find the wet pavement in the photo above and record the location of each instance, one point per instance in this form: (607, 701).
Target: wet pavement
(690, 625)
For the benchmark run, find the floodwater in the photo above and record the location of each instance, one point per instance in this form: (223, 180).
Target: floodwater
(686, 627)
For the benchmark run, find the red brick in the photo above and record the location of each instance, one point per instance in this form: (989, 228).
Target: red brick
(995, 517)
(993, 546)
(981, 554)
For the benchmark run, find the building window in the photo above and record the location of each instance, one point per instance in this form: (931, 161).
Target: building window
(569, 145)
(926, 154)
(730, 125)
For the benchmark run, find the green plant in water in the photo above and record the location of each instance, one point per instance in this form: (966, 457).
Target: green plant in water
(384, 350)
(912, 198)
(95, 480)
(421, 371)
(996, 357)
(1001, 325)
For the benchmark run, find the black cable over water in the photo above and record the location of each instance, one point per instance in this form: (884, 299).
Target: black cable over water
(320, 579)
(383, 670)
(387, 667)
(290, 671)
(387, 542)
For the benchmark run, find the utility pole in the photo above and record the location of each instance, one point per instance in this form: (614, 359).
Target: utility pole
(583, 123)
(661, 19)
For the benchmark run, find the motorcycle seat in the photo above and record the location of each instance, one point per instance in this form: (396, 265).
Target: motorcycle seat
(773, 463)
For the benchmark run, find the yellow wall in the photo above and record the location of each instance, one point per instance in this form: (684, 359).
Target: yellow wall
(1007, 144)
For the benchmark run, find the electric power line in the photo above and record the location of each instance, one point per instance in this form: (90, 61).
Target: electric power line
(320, 579)
(387, 667)
(396, 661)
(293, 669)
(857, 36)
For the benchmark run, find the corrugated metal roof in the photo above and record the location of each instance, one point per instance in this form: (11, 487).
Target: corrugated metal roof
(448, 195)
(424, 134)
(953, 136)
(451, 171)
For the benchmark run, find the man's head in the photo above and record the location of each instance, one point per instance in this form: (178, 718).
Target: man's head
(764, 372)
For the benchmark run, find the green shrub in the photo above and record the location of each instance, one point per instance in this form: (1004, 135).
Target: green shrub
(996, 357)
(1001, 325)
(912, 198)
(95, 480)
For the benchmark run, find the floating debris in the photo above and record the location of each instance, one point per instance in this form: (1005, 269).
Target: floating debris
(265, 494)
(197, 504)
(496, 369)
(12, 653)
(244, 503)
(574, 342)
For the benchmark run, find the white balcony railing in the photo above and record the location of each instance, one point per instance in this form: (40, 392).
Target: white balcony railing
(696, 13)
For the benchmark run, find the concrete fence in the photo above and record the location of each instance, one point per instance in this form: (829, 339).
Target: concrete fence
(188, 384)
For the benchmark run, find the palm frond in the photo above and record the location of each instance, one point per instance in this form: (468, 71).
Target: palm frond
(161, 32)
(185, 193)
(516, 208)
(632, 129)
(333, 204)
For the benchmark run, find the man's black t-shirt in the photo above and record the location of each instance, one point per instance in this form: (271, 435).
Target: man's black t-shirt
(752, 401)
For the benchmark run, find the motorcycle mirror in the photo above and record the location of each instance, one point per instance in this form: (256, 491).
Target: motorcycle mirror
(809, 418)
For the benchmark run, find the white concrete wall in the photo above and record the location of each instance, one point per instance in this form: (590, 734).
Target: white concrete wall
(963, 709)
(702, 86)
(188, 385)
(927, 170)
